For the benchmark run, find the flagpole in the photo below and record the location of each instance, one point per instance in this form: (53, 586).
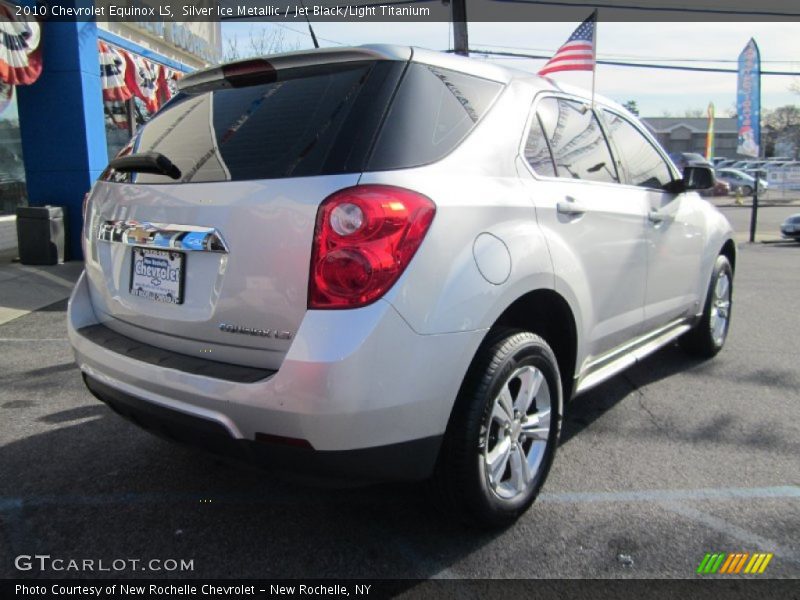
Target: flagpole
(594, 56)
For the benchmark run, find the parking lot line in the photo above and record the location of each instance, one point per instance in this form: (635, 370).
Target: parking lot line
(783, 491)
(29, 340)
(731, 530)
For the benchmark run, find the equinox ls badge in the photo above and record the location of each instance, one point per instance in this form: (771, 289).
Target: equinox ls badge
(268, 333)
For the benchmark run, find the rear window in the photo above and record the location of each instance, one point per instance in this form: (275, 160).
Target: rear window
(316, 123)
(351, 118)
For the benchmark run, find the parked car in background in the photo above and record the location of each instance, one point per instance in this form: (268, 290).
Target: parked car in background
(740, 181)
(790, 228)
(385, 262)
(721, 188)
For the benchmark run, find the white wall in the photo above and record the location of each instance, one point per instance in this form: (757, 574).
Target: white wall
(156, 36)
(8, 233)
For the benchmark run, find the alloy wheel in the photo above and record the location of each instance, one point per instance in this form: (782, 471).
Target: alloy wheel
(516, 434)
(720, 309)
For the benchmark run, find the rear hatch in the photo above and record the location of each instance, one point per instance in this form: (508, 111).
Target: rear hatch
(217, 260)
(205, 247)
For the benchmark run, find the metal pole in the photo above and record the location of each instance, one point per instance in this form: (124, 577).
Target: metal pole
(594, 56)
(754, 211)
(458, 10)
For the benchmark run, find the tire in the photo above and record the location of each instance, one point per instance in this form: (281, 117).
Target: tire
(477, 437)
(708, 335)
(746, 190)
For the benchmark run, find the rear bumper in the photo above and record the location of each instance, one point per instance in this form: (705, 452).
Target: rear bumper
(412, 460)
(354, 385)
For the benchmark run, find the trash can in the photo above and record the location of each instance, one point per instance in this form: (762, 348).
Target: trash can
(40, 235)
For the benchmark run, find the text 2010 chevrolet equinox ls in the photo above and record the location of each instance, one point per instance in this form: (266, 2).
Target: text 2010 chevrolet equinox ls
(389, 263)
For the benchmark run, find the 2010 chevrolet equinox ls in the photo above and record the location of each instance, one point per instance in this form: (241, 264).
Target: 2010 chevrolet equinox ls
(389, 263)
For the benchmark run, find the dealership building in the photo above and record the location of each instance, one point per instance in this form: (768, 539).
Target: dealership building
(71, 94)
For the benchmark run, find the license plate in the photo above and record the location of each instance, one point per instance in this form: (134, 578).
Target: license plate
(157, 275)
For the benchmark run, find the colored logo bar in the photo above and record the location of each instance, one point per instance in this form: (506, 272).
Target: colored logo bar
(734, 563)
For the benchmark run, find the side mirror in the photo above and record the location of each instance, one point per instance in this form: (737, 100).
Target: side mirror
(698, 178)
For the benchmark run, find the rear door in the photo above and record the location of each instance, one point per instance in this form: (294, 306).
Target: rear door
(217, 260)
(675, 225)
(595, 227)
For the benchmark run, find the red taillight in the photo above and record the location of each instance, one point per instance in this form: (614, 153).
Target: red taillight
(364, 238)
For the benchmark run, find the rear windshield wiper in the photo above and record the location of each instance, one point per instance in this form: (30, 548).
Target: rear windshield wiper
(146, 162)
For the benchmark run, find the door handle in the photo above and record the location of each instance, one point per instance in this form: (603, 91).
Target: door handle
(570, 207)
(656, 217)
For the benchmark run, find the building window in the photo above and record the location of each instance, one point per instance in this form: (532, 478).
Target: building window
(13, 192)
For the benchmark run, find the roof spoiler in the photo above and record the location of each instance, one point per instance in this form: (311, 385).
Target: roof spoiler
(267, 68)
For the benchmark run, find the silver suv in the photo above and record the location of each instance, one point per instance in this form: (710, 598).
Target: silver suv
(389, 263)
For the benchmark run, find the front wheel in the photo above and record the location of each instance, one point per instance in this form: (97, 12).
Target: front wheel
(503, 433)
(746, 190)
(708, 336)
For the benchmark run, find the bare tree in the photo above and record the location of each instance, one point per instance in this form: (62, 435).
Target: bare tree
(781, 125)
(694, 113)
(260, 43)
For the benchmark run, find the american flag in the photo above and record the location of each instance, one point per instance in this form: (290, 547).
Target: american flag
(577, 54)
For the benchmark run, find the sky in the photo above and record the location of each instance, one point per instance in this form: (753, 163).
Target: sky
(657, 92)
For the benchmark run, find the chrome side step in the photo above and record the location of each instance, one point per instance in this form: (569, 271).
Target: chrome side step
(618, 360)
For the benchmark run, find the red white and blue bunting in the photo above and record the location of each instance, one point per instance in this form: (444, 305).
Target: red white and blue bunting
(125, 75)
(140, 77)
(20, 54)
(112, 74)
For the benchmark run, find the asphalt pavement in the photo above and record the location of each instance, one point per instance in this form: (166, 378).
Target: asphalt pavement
(657, 467)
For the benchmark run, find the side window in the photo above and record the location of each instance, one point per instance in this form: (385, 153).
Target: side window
(642, 162)
(580, 150)
(537, 152)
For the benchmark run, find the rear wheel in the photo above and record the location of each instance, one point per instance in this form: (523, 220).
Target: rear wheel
(503, 433)
(708, 336)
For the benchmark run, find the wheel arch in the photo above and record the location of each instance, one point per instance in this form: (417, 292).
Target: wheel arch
(546, 313)
(728, 250)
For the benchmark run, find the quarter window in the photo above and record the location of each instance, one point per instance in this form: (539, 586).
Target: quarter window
(432, 113)
(579, 148)
(641, 161)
